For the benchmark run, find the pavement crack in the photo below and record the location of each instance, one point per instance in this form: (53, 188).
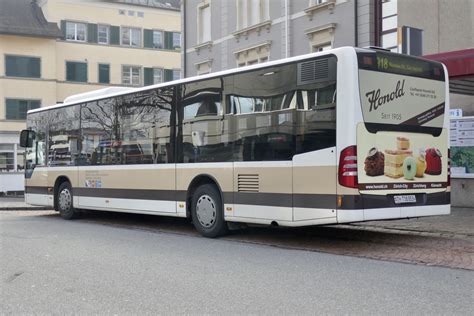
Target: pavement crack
(14, 276)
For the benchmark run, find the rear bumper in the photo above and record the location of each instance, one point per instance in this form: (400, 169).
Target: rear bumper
(366, 201)
(350, 216)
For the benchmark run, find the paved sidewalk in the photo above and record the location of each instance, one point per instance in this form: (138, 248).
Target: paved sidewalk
(459, 223)
(17, 204)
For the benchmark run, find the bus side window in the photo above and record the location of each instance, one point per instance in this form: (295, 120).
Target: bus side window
(207, 107)
(290, 100)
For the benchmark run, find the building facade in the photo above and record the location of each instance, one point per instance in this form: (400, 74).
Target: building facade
(227, 34)
(51, 49)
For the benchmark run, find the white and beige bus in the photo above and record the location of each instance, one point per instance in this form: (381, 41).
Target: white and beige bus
(339, 136)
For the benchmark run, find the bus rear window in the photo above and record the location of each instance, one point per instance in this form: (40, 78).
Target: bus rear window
(400, 64)
(400, 92)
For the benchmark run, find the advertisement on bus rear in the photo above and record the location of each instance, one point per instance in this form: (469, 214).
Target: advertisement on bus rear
(389, 160)
(401, 100)
(400, 154)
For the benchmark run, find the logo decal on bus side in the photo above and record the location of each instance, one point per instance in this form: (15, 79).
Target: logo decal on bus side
(376, 100)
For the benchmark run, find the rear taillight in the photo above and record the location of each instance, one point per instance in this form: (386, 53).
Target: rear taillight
(348, 167)
(449, 167)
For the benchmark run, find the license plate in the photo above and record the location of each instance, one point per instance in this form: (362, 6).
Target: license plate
(400, 199)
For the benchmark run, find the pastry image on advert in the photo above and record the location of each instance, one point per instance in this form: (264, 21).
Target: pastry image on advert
(403, 143)
(374, 163)
(409, 168)
(420, 166)
(433, 161)
(394, 160)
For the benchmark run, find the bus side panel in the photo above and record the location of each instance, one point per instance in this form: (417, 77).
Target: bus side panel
(68, 172)
(135, 188)
(350, 208)
(36, 188)
(314, 185)
(221, 173)
(263, 190)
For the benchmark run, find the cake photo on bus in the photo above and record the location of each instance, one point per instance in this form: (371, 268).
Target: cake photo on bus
(394, 162)
(409, 168)
(420, 165)
(403, 143)
(374, 163)
(433, 161)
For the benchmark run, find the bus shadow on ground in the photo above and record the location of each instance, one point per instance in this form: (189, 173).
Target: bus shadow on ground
(391, 245)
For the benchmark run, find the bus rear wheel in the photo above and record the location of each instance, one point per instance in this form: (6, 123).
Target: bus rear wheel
(64, 201)
(207, 211)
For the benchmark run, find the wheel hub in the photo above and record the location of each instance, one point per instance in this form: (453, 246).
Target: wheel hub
(65, 200)
(206, 211)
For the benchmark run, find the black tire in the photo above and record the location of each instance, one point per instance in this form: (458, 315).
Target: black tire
(207, 211)
(64, 200)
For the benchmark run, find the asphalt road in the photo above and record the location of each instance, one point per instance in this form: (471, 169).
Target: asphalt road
(51, 266)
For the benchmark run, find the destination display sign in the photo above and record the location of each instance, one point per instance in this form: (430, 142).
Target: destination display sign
(399, 64)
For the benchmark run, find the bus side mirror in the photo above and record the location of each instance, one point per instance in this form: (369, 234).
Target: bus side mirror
(26, 138)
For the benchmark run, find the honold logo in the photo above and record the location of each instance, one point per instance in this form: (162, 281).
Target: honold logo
(376, 100)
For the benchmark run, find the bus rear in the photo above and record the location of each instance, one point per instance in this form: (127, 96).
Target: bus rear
(400, 165)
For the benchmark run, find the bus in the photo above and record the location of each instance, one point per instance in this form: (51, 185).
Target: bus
(339, 136)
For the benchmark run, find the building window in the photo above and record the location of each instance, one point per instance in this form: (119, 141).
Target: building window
(388, 24)
(131, 36)
(152, 76)
(316, 2)
(7, 158)
(321, 47)
(203, 67)
(16, 108)
(103, 34)
(131, 75)
(76, 31)
(253, 61)
(104, 73)
(176, 74)
(76, 71)
(321, 38)
(204, 23)
(157, 39)
(252, 56)
(21, 66)
(176, 40)
(251, 12)
(157, 75)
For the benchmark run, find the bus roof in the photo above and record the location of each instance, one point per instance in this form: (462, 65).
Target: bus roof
(108, 93)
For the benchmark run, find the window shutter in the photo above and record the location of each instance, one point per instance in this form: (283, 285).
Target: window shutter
(104, 73)
(92, 33)
(148, 76)
(168, 40)
(148, 38)
(22, 109)
(34, 67)
(11, 68)
(12, 109)
(34, 104)
(63, 28)
(82, 71)
(115, 35)
(168, 74)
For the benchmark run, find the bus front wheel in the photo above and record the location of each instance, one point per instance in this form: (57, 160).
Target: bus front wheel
(207, 211)
(64, 200)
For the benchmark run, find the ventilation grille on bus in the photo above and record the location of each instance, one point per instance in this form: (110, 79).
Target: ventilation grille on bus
(317, 70)
(248, 183)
